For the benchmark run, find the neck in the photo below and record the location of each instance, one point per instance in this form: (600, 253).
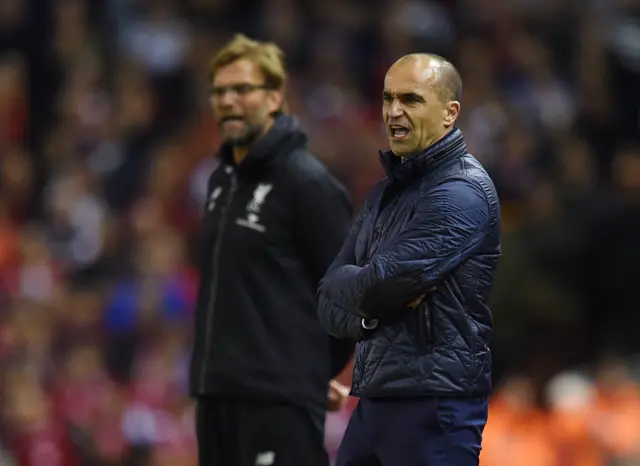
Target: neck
(430, 143)
(239, 154)
(439, 136)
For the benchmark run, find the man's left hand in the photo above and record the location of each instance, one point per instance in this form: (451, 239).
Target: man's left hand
(337, 396)
(416, 302)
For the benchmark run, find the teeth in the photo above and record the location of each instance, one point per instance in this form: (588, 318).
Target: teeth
(399, 131)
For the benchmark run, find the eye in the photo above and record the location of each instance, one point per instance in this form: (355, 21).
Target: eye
(217, 91)
(243, 89)
(412, 99)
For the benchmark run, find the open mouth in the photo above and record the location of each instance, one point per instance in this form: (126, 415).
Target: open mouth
(232, 122)
(398, 131)
(231, 119)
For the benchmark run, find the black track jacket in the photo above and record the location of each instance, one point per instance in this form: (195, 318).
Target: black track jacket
(272, 226)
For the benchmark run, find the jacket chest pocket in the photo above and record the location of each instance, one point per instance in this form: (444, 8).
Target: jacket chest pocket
(368, 242)
(377, 236)
(390, 222)
(381, 231)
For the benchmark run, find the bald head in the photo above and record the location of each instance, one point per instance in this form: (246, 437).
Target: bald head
(436, 72)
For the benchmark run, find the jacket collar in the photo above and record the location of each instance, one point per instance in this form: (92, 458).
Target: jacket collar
(452, 145)
(284, 136)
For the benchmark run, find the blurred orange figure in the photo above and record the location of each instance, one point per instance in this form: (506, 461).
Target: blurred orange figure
(517, 430)
(616, 413)
(571, 398)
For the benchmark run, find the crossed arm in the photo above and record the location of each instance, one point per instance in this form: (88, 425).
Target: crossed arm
(448, 226)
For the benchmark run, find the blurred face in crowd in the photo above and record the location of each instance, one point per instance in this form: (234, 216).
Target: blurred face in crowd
(241, 103)
(626, 170)
(25, 406)
(414, 108)
(82, 363)
(519, 393)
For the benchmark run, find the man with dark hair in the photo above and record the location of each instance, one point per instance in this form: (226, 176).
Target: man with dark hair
(262, 365)
(412, 284)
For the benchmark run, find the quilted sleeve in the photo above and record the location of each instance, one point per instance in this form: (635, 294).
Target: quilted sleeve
(448, 226)
(337, 320)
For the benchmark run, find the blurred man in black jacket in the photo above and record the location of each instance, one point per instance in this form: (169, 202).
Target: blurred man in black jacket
(262, 364)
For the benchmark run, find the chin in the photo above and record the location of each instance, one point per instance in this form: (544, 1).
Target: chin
(400, 151)
(245, 139)
(233, 142)
(236, 141)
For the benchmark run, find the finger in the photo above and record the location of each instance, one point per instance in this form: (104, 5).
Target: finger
(341, 391)
(338, 386)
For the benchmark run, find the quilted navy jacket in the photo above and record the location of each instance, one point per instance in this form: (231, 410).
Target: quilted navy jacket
(432, 228)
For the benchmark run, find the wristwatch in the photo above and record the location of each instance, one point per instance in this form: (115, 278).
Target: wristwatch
(369, 324)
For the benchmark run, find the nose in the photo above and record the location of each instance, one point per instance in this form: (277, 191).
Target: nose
(227, 98)
(224, 102)
(394, 110)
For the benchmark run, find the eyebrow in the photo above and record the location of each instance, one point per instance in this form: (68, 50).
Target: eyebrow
(404, 96)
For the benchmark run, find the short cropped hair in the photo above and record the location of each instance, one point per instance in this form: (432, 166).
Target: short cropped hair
(450, 82)
(266, 55)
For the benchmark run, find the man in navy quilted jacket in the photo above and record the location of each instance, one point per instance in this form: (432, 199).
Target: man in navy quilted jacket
(413, 280)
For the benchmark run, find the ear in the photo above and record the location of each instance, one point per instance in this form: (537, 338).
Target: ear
(275, 101)
(451, 112)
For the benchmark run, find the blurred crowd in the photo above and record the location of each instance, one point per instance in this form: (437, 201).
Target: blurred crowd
(106, 143)
(590, 418)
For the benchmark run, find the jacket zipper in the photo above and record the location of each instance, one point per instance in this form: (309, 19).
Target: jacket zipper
(425, 329)
(217, 248)
(428, 329)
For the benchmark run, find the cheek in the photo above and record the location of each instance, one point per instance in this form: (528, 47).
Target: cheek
(256, 110)
(274, 103)
(257, 115)
(428, 123)
(215, 108)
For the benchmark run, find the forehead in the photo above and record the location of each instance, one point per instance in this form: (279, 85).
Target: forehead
(410, 77)
(239, 71)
